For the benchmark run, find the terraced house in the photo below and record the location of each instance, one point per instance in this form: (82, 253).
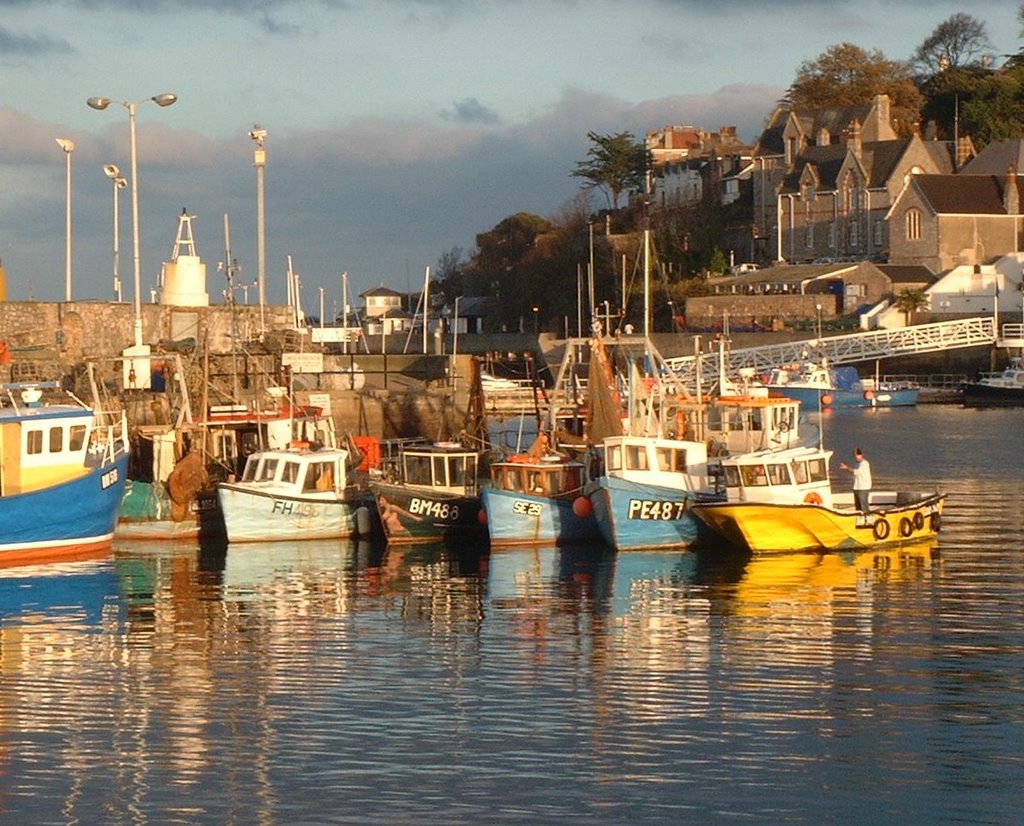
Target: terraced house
(825, 180)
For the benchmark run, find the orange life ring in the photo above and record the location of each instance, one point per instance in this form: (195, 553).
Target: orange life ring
(812, 498)
(869, 394)
(300, 444)
(826, 399)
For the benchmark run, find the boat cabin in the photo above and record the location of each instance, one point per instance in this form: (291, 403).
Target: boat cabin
(653, 461)
(42, 445)
(741, 424)
(548, 476)
(780, 477)
(1010, 377)
(445, 467)
(299, 472)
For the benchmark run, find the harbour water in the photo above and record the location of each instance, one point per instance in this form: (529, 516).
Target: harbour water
(345, 683)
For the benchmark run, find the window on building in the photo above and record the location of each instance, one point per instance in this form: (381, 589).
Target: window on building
(832, 235)
(879, 233)
(913, 224)
(855, 234)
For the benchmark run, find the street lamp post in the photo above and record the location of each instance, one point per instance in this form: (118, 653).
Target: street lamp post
(259, 160)
(112, 172)
(817, 307)
(536, 320)
(68, 146)
(165, 99)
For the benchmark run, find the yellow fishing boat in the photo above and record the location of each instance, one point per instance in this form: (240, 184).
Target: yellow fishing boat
(783, 501)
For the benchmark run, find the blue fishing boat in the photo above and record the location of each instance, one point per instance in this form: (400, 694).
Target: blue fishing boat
(62, 474)
(816, 386)
(538, 499)
(645, 498)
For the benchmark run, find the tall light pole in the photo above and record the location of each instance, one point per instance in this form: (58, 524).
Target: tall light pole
(68, 146)
(259, 160)
(112, 172)
(165, 99)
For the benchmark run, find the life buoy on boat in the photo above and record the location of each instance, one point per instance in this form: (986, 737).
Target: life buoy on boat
(918, 521)
(826, 400)
(906, 527)
(869, 394)
(300, 444)
(936, 522)
(812, 498)
(881, 529)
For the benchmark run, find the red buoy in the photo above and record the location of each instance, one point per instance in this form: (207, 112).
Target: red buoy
(582, 507)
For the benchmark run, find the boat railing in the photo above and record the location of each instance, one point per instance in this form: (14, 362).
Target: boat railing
(109, 439)
(932, 381)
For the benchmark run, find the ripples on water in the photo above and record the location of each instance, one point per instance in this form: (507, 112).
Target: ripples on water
(347, 683)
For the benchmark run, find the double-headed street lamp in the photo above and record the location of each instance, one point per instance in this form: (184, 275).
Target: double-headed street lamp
(112, 172)
(165, 99)
(68, 146)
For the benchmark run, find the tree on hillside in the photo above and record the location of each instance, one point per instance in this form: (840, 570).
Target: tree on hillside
(960, 40)
(449, 273)
(505, 264)
(982, 103)
(615, 163)
(847, 75)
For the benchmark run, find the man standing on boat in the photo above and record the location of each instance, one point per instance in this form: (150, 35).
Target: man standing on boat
(861, 470)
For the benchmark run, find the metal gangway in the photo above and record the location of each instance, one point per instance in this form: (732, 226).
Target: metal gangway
(843, 349)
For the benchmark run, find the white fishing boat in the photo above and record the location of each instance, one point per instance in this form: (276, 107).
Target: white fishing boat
(295, 493)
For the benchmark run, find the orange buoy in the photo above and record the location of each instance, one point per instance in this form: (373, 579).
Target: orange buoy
(869, 394)
(812, 498)
(582, 507)
(826, 399)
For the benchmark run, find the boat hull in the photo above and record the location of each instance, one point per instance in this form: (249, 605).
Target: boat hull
(984, 395)
(634, 516)
(412, 514)
(262, 516)
(811, 398)
(516, 518)
(146, 513)
(69, 518)
(767, 527)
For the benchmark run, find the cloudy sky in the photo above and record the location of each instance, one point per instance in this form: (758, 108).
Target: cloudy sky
(397, 129)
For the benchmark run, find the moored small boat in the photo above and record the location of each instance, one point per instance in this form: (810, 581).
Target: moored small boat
(645, 497)
(294, 494)
(62, 477)
(428, 492)
(815, 385)
(1002, 389)
(783, 501)
(538, 499)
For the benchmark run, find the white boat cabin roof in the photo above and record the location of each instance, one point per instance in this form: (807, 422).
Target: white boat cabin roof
(299, 472)
(796, 475)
